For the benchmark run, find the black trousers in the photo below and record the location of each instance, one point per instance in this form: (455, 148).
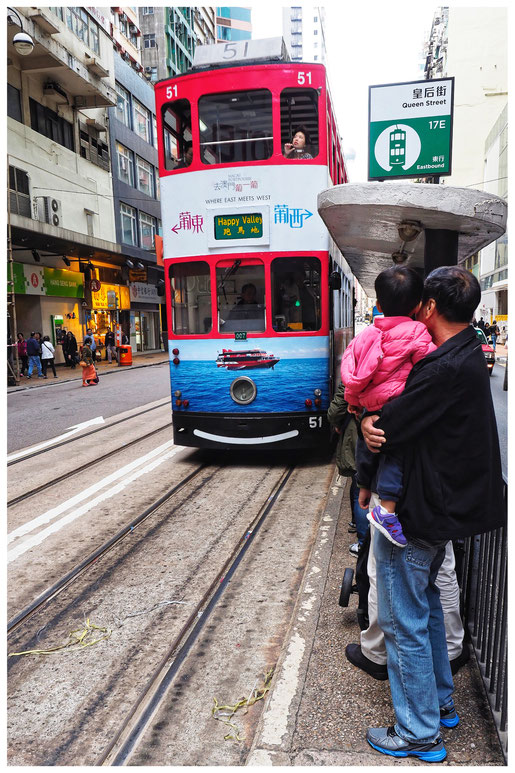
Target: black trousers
(45, 363)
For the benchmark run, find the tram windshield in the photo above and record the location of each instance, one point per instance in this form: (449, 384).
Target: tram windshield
(296, 294)
(241, 297)
(191, 298)
(177, 134)
(235, 126)
(299, 108)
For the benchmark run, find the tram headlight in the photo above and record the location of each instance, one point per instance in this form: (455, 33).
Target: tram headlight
(175, 351)
(185, 403)
(177, 393)
(308, 403)
(318, 402)
(318, 393)
(176, 360)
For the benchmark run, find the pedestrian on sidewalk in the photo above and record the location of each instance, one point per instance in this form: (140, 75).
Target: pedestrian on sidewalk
(47, 356)
(22, 354)
(89, 372)
(494, 332)
(33, 352)
(70, 349)
(110, 345)
(442, 417)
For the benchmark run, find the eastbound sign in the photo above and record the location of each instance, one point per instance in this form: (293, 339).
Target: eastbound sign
(239, 226)
(410, 129)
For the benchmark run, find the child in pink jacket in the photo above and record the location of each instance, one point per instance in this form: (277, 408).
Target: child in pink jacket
(374, 369)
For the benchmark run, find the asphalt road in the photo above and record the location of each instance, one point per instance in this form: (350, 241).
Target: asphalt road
(38, 414)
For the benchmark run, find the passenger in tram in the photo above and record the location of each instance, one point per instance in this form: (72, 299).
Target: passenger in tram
(187, 157)
(296, 149)
(248, 295)
(247, 307)
(297, 303)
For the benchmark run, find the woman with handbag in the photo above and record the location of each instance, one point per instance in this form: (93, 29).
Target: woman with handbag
(47, 356)
(89, 373)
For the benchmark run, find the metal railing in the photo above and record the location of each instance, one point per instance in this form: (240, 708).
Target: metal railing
(484, 589)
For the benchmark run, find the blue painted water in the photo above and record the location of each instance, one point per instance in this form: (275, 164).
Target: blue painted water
(282, 388)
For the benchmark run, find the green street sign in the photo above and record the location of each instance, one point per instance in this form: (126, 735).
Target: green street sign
(410, 129)
(239, 226)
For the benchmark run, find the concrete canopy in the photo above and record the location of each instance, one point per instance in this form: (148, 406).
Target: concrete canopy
(363, 220)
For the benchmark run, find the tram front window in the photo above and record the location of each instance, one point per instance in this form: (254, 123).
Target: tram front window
(191, 298)
(177, 134)
(296, 294)
(235, 126)
(299, 109)
(241, 297)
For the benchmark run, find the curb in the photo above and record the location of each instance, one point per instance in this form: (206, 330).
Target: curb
(273, 740)
(11, 390)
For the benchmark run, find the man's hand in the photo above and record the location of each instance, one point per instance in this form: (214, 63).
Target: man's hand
(355, 409)
(373, 436)
(364, 498)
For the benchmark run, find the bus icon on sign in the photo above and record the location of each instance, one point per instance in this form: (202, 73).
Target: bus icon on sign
(397, 147)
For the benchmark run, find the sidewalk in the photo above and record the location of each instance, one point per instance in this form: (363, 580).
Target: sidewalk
(139, 360)
(320, 706)
(501, 354)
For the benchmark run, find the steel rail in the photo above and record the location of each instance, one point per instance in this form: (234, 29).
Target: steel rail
(86, 434)
(143, 710)
(74, 573)
(85, 466)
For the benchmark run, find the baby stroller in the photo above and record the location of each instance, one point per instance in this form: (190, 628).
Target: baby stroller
(362, 585)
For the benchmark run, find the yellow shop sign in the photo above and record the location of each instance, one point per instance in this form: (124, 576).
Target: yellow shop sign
(110, 297)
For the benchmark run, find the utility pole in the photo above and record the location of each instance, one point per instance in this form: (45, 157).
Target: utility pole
(13, 364)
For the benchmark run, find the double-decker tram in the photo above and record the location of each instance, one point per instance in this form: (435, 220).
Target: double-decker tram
(259, 299)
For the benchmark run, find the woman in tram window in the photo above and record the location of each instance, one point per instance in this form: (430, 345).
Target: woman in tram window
(296, 149)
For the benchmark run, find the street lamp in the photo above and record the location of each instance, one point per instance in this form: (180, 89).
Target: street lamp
(22, 42)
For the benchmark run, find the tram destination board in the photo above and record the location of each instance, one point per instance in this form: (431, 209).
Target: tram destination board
(410, 129)
(240, 226)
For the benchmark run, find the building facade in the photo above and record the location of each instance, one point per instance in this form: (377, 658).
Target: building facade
(233, 23)
(304, 33)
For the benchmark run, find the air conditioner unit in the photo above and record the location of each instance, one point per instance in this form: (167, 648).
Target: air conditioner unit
(50, 211)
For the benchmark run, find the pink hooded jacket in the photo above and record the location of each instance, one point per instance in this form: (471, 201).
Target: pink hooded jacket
(377, 362)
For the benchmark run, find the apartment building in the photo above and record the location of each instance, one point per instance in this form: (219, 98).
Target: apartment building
(304, 33)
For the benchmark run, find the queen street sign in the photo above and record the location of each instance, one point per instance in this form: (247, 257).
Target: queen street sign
(410, 129)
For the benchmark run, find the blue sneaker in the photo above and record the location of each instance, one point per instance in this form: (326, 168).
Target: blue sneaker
(389, 525)
(448, 715)
(386, 741)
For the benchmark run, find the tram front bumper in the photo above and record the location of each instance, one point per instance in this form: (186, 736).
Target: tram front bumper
(304, 430)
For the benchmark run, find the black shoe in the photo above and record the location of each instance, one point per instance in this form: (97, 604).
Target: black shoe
(352, 528)
(460, 661)
(355, 656)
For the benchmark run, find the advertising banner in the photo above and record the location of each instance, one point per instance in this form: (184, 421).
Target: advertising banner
(39, 280)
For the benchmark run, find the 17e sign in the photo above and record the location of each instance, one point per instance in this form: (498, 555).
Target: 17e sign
(410, 129)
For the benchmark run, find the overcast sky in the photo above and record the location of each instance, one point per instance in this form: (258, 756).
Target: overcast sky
(367, 44)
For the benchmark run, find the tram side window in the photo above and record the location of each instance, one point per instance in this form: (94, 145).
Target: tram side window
(241, 297)
(296, 294)
(177, 144)
(299, 109)
(235, 126)
(190, 286)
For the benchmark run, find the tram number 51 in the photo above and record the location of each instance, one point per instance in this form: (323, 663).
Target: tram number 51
(303, 77)
(315, 421)
(171, 91)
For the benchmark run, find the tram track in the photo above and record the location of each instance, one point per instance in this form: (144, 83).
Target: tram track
(86, 434)
(140, 716)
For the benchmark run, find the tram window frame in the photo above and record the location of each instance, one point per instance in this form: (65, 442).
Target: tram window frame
(177, 134)
(292, 120)
(234, 314)
(281, 307)
(190, 307)
(218, 141)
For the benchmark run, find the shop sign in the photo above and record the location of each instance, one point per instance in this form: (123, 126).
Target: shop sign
(117, 295)
(39, 280)
(410, 129)
(144, 293)
(138, 275)
(95, 285)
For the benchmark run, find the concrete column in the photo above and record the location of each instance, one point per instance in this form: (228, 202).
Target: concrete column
(441, 248)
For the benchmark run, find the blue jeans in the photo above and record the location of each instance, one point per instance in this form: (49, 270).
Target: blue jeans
(494, 341)
(411, 617)
(381, 473)
(34, 360)
(359, 515)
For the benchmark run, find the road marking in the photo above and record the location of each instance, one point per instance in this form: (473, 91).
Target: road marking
(71, 431)
(124, 473)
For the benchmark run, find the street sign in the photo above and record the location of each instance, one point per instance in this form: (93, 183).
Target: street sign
(410, 129)
(95, 285)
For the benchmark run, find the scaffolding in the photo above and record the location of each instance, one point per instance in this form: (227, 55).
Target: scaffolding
(13, 363)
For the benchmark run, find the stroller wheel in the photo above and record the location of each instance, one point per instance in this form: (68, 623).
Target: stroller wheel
(346, 588)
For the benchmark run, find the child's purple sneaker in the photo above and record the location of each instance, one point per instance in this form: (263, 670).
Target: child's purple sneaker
(389, 525)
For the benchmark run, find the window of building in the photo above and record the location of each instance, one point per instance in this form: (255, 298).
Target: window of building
(315, 32)
(241, 297)
(296, 294)
(122, 22)
(154, 125)
(236, 126)
(58, 11)
(49, 124)
(147, 10)
(142, 121)
(83, 26)
(92, 148)
(123, 112)
(299, 108)
(177, 132)
(145, 176)
(125, 164)
(190, 285)
(89, 222)
(13, 103)
(151, 73)
(149, 41)
(19, 194)
(129, 226)
(147, 228)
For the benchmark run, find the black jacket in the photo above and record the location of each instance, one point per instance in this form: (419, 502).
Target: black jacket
(33, 347)
(444, 422)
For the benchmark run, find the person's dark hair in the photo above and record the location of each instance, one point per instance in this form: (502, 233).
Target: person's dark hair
(398, 290)
(456, 292)
(304, 132)
(188, 145)
(87, 341)
(248, 286)
(32, 334)
(46, 338)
